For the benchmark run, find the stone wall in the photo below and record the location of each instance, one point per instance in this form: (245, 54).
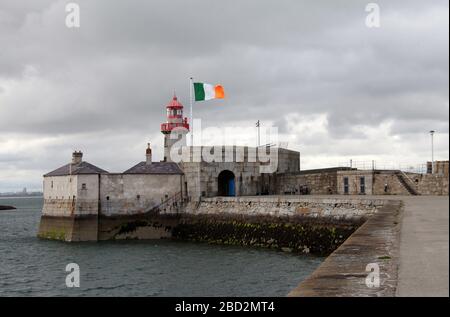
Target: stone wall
(345, 271)
(290, 234)
(331, 181)
(192, 183)
(440, 167)
(202, 177)
(126, 194)
(424, 184)
(314, 183)
(354, 182)
(297, 224)
(394, 186)
(287, 206)
(151, 225)
(300, 224)
(58, 207)
(60, 187)
(71, 195)
(59, 195)
(70, 229)
(288, 161)
(433, 184)
(72, 204)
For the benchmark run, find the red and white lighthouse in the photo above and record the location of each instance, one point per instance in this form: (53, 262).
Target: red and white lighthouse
(175, 122)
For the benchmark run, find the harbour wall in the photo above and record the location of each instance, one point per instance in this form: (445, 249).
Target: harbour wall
(366, 264)
(301, 224)
(305, 225)
(353, 232)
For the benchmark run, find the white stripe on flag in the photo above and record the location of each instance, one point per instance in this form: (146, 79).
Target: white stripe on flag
(210, 92)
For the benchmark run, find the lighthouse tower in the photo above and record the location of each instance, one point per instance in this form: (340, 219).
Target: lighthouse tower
(175, 121)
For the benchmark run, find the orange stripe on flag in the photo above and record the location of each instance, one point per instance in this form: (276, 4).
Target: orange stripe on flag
(218, 91)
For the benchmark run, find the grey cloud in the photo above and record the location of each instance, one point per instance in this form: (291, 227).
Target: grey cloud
(114, 75)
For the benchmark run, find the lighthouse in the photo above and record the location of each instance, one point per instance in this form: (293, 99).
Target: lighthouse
(174, 121)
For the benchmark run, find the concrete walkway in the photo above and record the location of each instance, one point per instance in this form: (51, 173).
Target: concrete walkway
(424, 244)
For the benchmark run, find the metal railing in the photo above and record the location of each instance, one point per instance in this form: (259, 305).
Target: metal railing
(174, 201)
(379, 165)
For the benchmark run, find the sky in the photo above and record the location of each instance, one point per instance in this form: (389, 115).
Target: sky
(335, 88)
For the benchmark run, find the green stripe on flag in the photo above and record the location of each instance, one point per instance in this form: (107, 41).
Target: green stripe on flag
(199, 91)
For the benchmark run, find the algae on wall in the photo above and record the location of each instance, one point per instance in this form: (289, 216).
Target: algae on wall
(53, 235)
(295, 235)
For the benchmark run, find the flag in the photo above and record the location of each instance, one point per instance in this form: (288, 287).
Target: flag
(204, 91)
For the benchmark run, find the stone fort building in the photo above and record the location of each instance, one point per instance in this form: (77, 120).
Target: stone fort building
(78, 195)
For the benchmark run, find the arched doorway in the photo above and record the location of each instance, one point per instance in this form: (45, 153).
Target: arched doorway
(226, 183)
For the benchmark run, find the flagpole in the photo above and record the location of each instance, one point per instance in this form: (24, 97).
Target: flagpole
(191, 102)
(259, 138)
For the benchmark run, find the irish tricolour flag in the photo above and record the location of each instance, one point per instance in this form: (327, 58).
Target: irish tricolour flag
(204, 91)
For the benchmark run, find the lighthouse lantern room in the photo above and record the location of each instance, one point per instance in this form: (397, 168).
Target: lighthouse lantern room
(174, 120)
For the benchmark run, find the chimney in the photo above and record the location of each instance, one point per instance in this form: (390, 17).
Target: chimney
(148, 155)
(77, 157)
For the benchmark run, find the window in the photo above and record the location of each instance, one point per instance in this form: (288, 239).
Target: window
(51, 185)
(107, 197)
(83, 186)
(138, 197)
(345, 185)
(362, 185)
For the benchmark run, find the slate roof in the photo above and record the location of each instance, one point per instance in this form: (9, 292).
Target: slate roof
(155, 168)
(80, 168)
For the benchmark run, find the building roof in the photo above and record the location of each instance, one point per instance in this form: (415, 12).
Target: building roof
(174, 103)
(76, 169)
(155, 168)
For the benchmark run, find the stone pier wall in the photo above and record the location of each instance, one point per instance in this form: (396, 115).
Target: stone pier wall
(336, 208)
(151, 225)
(69, 228)
(296, 224)
(373, 247)
(304, 224)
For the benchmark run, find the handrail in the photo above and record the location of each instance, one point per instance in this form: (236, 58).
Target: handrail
(408, 178)
(405, 180)
(164, 204)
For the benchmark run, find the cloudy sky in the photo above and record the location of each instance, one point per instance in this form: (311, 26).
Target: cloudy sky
(336, 89)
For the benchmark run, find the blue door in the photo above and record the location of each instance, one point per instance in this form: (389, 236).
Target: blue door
(231, 187)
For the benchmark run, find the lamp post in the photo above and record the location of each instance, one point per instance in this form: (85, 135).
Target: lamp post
(432, 151)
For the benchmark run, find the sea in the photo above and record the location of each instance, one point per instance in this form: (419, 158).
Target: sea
(30, 266)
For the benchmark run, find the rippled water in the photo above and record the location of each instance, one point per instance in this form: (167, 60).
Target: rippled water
(33, 267)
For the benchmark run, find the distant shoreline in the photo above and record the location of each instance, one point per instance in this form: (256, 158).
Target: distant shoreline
(31, 196)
